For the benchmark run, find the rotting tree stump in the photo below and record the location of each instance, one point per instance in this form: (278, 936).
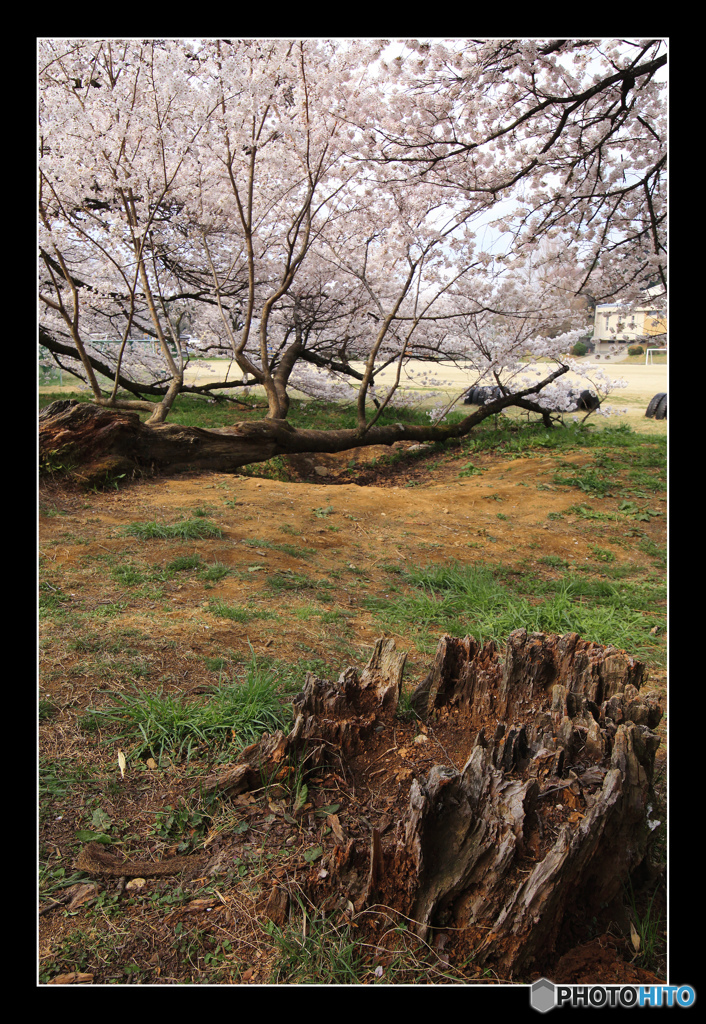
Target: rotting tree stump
(549, 814)
(536, 814)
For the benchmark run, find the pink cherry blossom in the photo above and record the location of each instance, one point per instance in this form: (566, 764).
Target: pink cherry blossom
(317, 211)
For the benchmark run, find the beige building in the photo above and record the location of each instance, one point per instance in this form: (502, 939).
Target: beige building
(644, 324)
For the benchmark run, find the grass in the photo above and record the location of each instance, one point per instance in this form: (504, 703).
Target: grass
(129, 573)
(318, 954)
(126, 628)
(185, 529)
(237, 613)
(158, 725)
(473, 599)
(313, 950)
(286, 581)
(80, 948)
(648, 927)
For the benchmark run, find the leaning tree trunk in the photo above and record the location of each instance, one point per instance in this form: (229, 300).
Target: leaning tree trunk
(539, 810)
(96, 445)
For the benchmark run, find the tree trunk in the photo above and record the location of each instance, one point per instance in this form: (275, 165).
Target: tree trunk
(99, 443)
(536, 813)
(96, 444)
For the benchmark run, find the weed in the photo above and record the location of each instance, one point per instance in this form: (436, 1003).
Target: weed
(312, 949)
(229, 611)
(633, 511)
(470, 470)
(185, 529)
(157, 724)
(57, 777)
(286, 528)
(203, 511)
(459, 600)
(58, 461)
(647, 928)
(588, 480)
(286, 549)
(654, 550)
(209, 572)
(53, 879)
(602, 554)
(109, 609)
(128, 575)
(292, 581)
(554, 560)
(185, 563)
(82, 950)
(315, 951)
(46, 710)
(214, 572)
(585, 512)
(405, 709)
(174, 823)
(51, 599)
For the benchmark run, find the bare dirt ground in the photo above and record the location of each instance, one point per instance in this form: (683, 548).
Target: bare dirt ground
(304, 555)
(409, 516)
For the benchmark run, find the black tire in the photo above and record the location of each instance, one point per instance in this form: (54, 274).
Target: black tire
(489, 394)
(480, 395)
(476, 395)
(661, 413)
(588, 401)
(654, 404)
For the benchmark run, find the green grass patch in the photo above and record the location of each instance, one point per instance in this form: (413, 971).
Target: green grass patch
(470, 470)
(656, 551)
(158, 724)
(519, 439)
(185, 563)
(317, 954)
(462, 600)
(602, 554)
(52, 599)
(85, 950)
(185, 529)
(586, 512)
(589, 480)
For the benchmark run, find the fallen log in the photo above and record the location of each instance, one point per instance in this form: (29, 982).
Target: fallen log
(96, 444)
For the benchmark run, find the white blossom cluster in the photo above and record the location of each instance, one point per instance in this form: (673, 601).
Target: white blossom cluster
(316, 211)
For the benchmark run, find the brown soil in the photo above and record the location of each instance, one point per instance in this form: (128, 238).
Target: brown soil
(346, 518)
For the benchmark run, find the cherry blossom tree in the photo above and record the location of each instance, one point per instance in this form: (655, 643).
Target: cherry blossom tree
(313, 211)
(575, 129)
